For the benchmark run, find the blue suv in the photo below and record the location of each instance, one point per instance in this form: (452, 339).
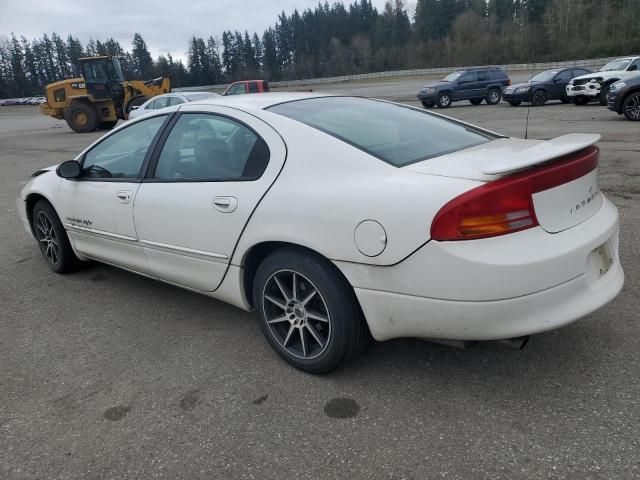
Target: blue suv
(473, 84)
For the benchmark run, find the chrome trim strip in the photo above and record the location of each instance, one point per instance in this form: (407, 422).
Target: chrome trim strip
(101, 233)
(183, 250)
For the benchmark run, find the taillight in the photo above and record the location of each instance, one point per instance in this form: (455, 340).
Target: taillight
(506, 205)
(508, 82)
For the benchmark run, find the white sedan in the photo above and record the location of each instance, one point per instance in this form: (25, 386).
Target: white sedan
(168, 100)
(336, 218)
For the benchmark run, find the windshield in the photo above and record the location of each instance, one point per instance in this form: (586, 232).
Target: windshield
(620, 64)
(117, 71)
(396, 134)
(452, 77)
(545, 76)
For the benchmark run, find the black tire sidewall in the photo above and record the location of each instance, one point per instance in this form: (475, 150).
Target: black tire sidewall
(67, 258)
(538, 102)
(338, 296)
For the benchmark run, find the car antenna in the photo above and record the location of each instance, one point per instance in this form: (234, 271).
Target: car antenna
(526, 125)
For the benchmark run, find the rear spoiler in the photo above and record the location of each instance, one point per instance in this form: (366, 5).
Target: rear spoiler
(543, 152)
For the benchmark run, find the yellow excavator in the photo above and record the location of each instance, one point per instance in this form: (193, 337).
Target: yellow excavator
(100, 97)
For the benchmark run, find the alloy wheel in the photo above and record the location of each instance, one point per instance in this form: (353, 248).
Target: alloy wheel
(47, 237)
(632, 107)
(296, 314)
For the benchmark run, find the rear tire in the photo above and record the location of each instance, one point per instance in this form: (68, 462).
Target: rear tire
(444, 100)
(631, 107)
(539, 98)
(82, 118)
(52, 238)
(317, 327)
(476, 101)
(494, 96)
(515, 103)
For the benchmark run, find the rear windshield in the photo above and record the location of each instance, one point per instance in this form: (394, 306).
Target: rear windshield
(192, 97)
(393, 133)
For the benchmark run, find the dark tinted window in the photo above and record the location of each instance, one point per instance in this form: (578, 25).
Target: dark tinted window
(210, 147)
(397, 134)
(564, 76)
(467, 77)
(498, 74)
(253, 87)
(483, 75)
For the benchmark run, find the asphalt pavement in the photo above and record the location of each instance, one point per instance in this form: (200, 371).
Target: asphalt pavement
(106, 374)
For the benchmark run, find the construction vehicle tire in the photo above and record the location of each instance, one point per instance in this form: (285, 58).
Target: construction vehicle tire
(82, 118)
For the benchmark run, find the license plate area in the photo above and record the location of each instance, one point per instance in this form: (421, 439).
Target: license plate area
(600, 261)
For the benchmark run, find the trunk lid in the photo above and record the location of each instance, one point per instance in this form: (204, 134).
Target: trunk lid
(572, 195)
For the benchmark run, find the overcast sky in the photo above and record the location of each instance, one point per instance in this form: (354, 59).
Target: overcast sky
(165, 26)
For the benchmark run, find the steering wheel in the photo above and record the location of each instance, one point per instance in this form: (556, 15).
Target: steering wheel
(98, 171)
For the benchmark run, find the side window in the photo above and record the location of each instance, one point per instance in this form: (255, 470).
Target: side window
(483, 76)
(161, 102)
(209, 147)
(253, 87)
(565, 76)
(635, 65)
(121, 155)
(150, 105)
(238, 89)
(467, 77)
(175, 101)
(577, 72)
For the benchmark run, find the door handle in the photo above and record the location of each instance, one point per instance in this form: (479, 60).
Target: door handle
(124, 196)
(225, 204)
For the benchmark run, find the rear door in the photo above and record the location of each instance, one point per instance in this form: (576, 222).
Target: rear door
(206, 177)
(483, 81)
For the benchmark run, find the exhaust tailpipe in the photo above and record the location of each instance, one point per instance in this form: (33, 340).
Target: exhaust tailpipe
(517, 343)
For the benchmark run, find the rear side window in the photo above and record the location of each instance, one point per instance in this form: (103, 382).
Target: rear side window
(467, 77)
(396, 134)
(483, 76)
(498, 74)
(253, 87)
(175, 101)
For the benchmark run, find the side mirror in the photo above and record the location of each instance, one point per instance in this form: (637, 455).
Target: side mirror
(69, 169)
(135, 107)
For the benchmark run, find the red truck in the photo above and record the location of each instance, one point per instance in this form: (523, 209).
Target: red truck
(247, 86)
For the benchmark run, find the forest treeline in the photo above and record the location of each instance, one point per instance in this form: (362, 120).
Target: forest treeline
(339, 39)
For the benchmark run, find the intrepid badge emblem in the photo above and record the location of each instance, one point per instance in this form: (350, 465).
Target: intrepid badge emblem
(583, 203)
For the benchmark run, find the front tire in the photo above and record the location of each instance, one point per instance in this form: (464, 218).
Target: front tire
(631, 107)
(494, 96)
(307, 311)
(444, 100)
(52, 238)
(602, 98)
(539, 98)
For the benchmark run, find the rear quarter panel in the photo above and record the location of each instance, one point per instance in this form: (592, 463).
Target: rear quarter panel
(327, 187)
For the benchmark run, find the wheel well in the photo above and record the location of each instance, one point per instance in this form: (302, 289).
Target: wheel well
(32, 199)
(256, 254)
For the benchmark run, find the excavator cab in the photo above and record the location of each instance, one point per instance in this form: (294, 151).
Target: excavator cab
(103, 78)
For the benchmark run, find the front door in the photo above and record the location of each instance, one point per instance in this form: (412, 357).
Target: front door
(97, 208)
(203, 184)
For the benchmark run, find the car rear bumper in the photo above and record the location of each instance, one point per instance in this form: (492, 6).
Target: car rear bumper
(591, 89)
(495, 288)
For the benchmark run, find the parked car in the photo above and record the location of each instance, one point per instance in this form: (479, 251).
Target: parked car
(167, 100)
(545, 86)
(595, 86)
(473, 84)
(338, 217)
(246, 86)
(624, 98)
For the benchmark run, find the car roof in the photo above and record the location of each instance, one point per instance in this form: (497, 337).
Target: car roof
(257, 101)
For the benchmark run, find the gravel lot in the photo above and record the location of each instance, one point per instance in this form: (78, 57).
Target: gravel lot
(106, 374)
